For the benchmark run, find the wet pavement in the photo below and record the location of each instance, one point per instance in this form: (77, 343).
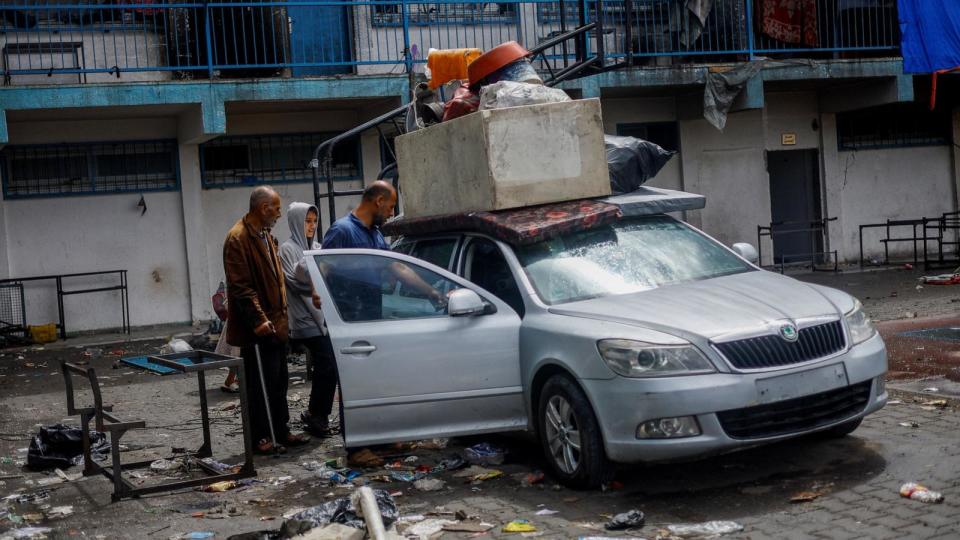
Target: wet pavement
(850, 484)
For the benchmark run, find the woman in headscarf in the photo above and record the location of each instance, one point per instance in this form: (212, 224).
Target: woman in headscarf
(307, 327)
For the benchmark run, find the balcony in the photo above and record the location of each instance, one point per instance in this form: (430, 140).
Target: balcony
(93, 41)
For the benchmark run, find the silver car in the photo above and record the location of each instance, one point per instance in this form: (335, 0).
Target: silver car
(639, 341)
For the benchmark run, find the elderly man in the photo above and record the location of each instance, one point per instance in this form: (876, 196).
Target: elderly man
(257, 311)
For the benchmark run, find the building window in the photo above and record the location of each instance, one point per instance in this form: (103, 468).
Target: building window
(892, 126)
(426, 14)
(246, 160)
(665, 134)
(89, 168)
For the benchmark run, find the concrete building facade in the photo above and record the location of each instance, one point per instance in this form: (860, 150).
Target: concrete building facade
(146, 170)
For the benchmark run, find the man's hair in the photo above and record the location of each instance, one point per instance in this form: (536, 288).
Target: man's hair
(261, 195)
(377, 189)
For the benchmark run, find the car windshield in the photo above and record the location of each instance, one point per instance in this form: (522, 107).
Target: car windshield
(628, 256)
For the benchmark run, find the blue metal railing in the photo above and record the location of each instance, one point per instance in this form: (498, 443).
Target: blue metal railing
(157, 40)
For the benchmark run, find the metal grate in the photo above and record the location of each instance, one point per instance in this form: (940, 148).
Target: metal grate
(795, 415)
(12, 310)
(89, 168)
(774, 351)
(893, 126)
(272, 159)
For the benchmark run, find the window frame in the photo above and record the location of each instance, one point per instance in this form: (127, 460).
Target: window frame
(848, 141)
(377, 20)
(248, 140)
(461, 268)
(91, 164)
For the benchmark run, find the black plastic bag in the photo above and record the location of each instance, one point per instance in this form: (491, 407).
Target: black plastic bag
(633, 161)
(340, 511)
(60, 446)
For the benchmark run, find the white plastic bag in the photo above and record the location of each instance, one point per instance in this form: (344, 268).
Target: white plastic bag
(504, 94)
(175, 345)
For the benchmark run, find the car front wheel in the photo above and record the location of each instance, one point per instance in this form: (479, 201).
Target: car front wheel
(569, 434)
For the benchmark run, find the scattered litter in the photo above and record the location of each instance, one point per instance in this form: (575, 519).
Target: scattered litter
(220, 487)
(198, 535)
(415, 518)
(805, 496)
(932, 389)
(472, 471)
(58, 512)
(937, 403)
(468, 526)
(431, 444)
(93, 353)
(483, 477)
(633, 519)
(706, 529)
(61, 446)
(175, 346)
(519, 526)
(485, 454)
(427, 528)
(365, 458)
(529, 479)
(917, 492)
(341, 511)
(429, 484)
(547, 512)
(167, 466)
(613, 485)
(221, 467)
(410, 459)
(894, 402)
(28, 532)
(909, 424)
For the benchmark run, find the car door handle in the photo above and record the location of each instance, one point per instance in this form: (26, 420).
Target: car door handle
(358, 349)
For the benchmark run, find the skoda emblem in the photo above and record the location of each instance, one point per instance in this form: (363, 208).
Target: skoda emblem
(789, 332)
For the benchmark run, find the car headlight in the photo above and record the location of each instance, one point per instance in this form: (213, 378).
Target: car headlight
(638, 359)
(861, 329)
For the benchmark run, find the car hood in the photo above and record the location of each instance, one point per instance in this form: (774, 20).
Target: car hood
(711, 308)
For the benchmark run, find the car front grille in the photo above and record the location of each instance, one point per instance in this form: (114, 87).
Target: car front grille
(795, 415)
(773, 351)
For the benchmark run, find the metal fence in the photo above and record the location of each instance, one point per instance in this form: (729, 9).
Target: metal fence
(53, 41)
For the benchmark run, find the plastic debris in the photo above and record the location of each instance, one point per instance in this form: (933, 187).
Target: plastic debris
(519, 526)
(58, 512)
(547, 512)
(429, 484)
(167, 466)
(175, 346)
(633, 161)
(706, 529)
(917, 492)
(427, 528)
(529, 479)
(29, 532)
(485, 454)
(505, 94)
(483, 477)
(220, 487)
(341, 511)
(61, 446)
(198, 535)
(627, 520)
(932, 389)
(937, 403)
(909, 424)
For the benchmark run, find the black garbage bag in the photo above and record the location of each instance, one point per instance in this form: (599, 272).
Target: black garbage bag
(633, 161)
(60, 446)
(339, 511)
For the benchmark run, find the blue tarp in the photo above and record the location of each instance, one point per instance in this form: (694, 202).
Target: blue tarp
(930, 35)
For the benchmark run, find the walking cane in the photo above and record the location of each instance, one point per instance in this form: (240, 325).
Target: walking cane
(266, 401)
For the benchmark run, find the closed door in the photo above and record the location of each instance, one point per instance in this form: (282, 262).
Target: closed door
(794, 205)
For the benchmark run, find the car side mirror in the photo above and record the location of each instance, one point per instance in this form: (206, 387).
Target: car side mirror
(465, 303)
(747, 251)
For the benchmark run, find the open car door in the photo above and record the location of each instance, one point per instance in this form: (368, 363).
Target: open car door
(409, 368)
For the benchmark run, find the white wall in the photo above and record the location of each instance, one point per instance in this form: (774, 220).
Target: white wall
(99, 232)
(871, 186)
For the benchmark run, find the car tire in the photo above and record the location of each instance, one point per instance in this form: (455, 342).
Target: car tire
(570, 421)
(842, 430)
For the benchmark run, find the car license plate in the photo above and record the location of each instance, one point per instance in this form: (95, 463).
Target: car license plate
(808, 382)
